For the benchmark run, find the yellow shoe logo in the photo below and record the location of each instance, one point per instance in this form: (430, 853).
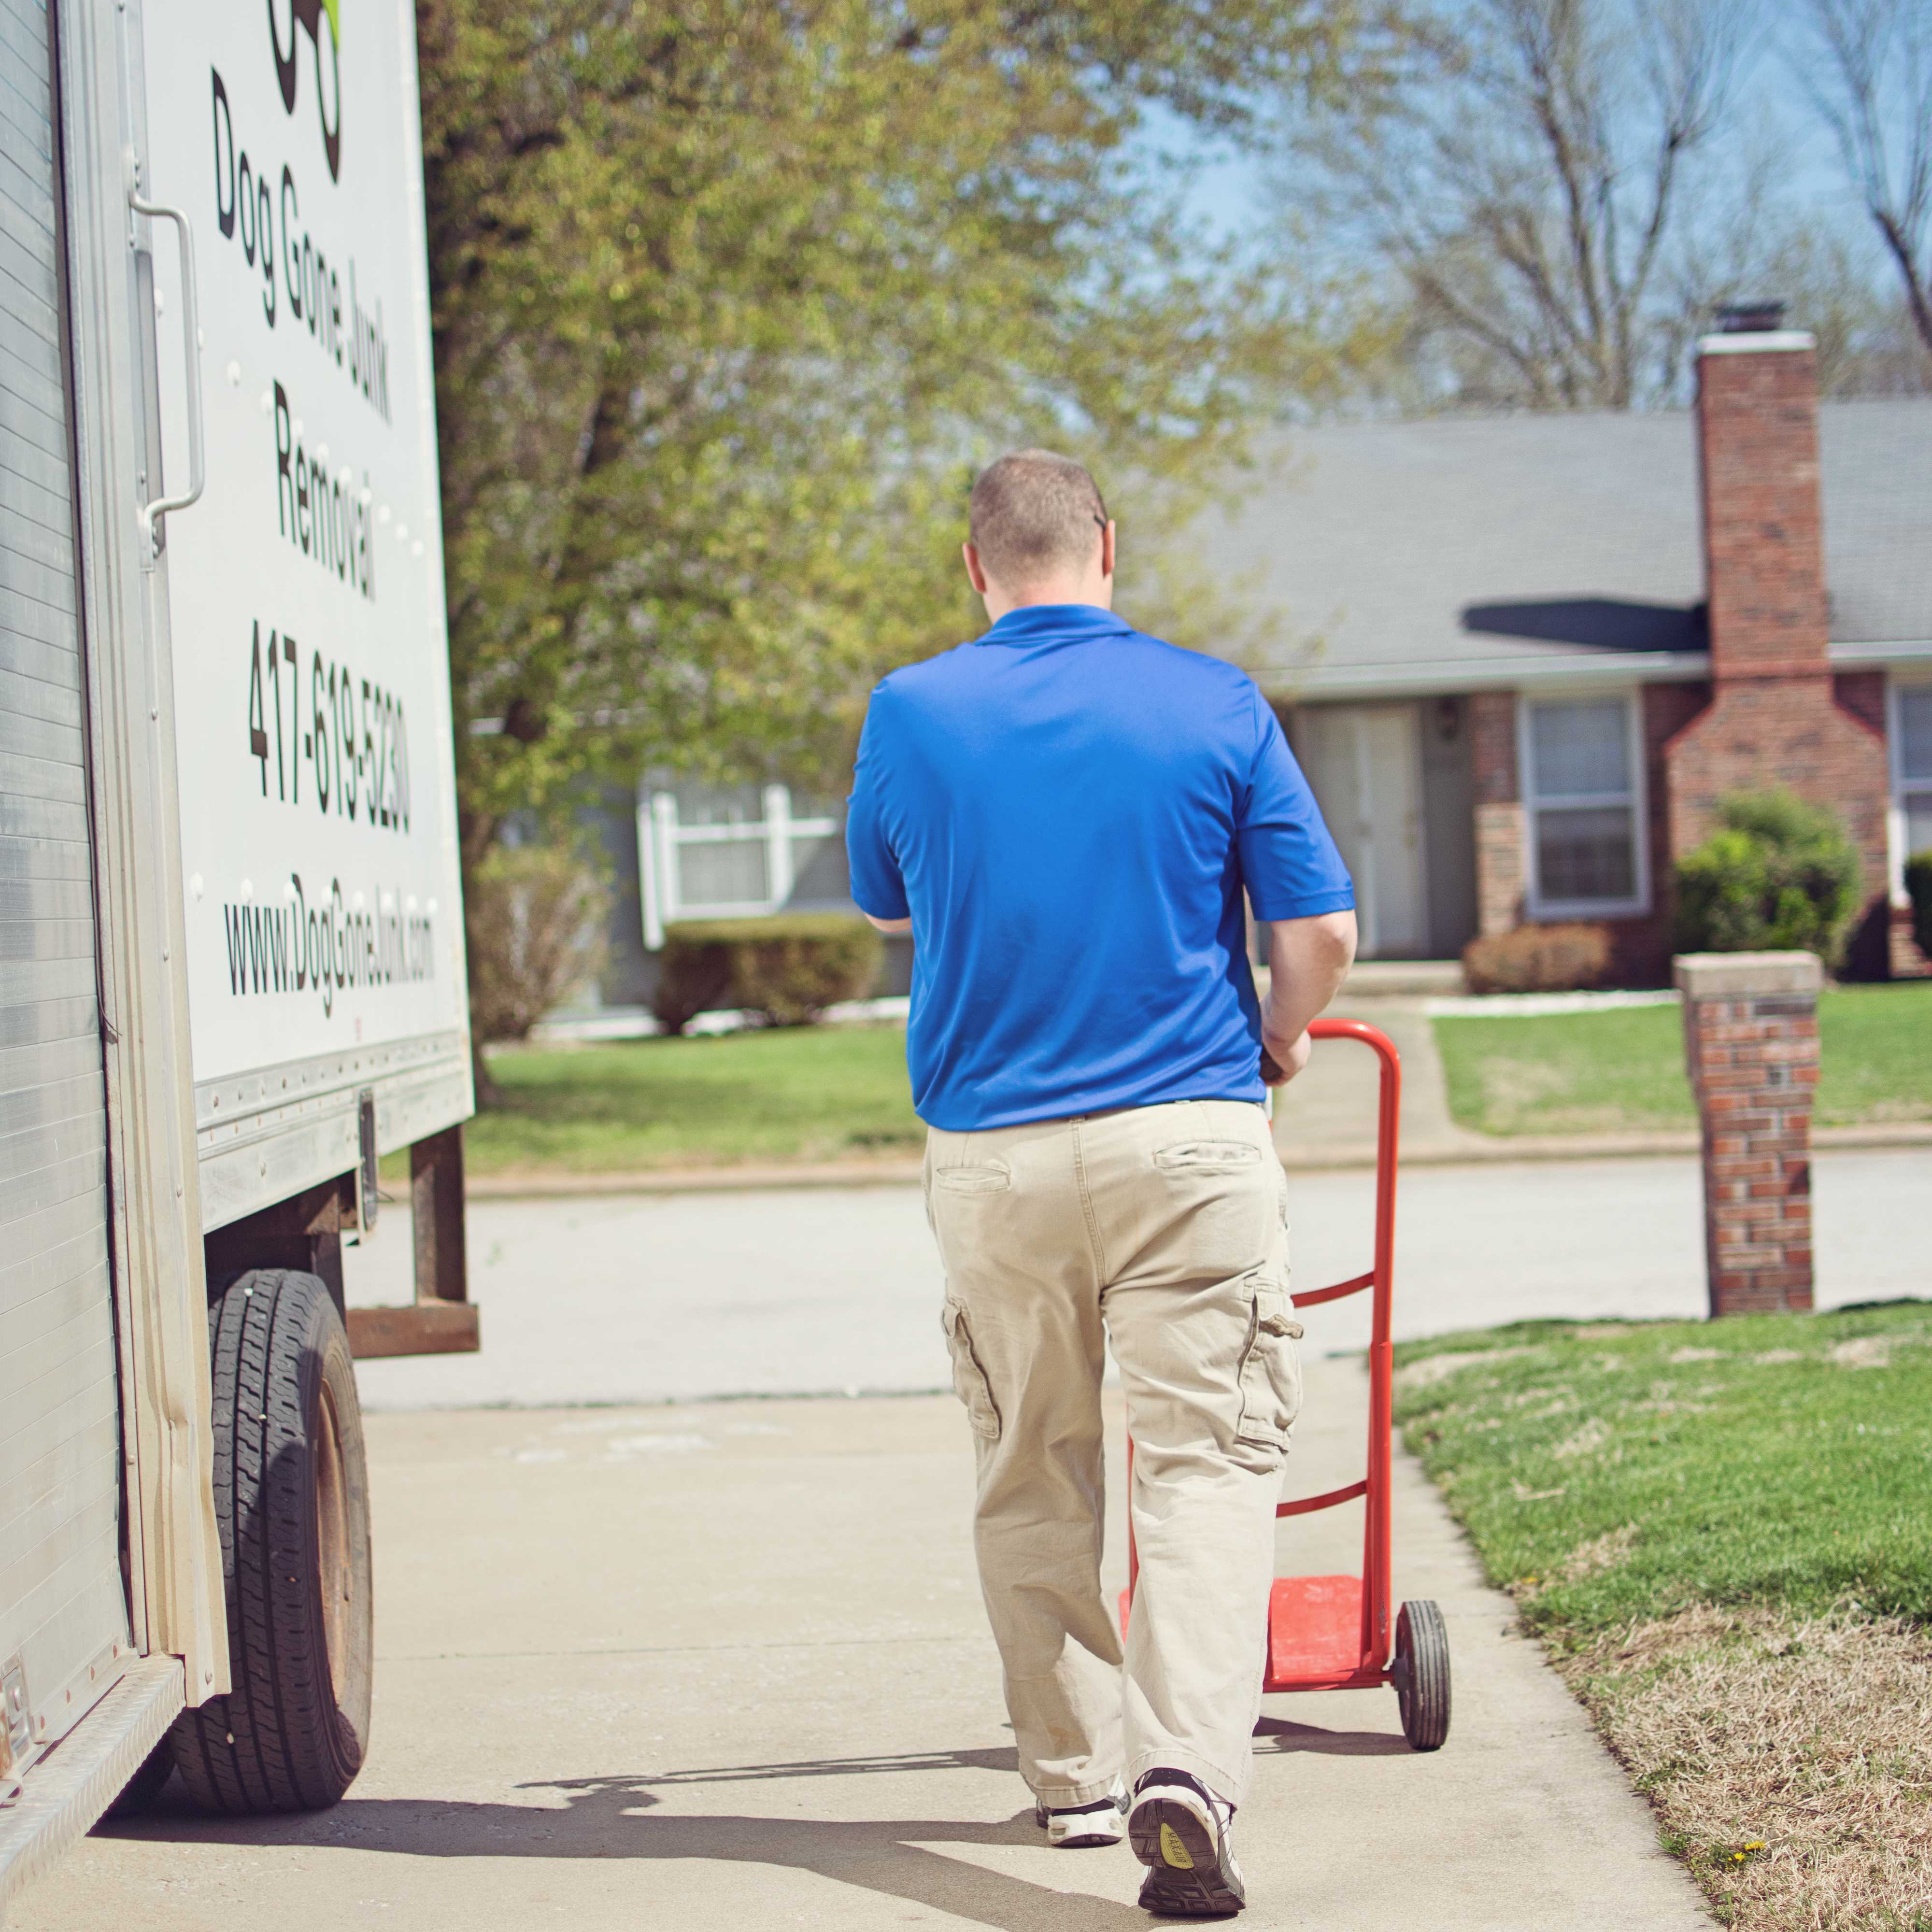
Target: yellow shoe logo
(1173, 1851)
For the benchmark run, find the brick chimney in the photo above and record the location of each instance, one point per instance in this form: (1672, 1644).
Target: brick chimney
(1764, 536)
(1777, 716)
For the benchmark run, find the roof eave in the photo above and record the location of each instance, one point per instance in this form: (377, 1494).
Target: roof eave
(1850, 656)
(1335, 683)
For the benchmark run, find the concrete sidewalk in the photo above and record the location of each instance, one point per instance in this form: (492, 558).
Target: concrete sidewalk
(1327, 1116)
(725, 1666)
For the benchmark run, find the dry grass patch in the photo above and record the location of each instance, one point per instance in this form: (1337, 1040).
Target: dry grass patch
(1433, 1368)
(1789, 1760)
(1722, 1531)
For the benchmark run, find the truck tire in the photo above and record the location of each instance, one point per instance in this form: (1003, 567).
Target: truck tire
(291, 1496)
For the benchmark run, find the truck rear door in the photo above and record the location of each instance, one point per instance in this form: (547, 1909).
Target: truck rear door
(62, 1606)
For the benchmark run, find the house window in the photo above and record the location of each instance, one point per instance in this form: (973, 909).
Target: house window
(1581, 797)
(735, 852)
(1911, 734)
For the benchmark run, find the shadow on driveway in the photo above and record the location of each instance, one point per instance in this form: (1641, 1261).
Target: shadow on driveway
(619, 1818)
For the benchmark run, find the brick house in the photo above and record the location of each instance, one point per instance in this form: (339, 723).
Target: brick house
(1543, 647)
(1522, 658)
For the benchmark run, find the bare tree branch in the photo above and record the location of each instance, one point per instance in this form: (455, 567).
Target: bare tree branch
(1875, 75)
(1531, 177)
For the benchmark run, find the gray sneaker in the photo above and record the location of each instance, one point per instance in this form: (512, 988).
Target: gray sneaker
(1180, 1830)
(1069, 1827)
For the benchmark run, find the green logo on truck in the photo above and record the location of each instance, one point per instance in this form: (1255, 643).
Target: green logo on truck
(309, 14)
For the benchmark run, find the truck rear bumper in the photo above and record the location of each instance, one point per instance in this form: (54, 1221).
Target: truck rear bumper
(64, 1793)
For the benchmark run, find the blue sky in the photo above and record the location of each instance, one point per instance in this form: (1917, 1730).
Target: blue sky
(1228, 194)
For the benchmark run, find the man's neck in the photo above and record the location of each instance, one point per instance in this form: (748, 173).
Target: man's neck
(1001, 603)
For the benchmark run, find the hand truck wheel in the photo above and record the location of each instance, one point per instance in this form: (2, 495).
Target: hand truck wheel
(1421, 1675)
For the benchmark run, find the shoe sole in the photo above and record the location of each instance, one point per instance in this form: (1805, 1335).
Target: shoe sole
(1088, 1835)
(1185, 1878)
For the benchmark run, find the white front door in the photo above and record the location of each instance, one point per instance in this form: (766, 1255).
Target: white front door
(1364, 762)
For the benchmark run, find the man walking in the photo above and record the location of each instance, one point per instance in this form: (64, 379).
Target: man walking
(1064, 813)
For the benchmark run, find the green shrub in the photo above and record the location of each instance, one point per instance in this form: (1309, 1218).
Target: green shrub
(785, 970)
(1918, 885)
(1780, 875)
(1538, 959)
(534, 917)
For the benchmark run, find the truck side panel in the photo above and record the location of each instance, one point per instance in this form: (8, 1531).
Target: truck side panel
(62, 1606)
(324, 930)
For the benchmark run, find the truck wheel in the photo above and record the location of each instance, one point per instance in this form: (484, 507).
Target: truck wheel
(1421, 1675)
(291, 1496)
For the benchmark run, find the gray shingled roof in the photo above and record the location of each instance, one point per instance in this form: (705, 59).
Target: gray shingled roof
(1454, 552)
(1876, 458)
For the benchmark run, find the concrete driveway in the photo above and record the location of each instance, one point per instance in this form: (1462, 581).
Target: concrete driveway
(724, 1665)
(788, 1292)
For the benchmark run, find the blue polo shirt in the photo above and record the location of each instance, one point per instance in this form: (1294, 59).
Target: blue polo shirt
(1068, 811)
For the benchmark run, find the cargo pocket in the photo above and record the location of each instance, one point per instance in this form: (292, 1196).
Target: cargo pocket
(969, 1375)
(1270, 1376)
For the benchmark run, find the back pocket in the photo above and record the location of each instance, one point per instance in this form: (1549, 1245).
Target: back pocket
(988, 1178)
(1205, 1156)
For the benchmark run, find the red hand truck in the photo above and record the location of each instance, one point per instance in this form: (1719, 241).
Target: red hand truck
(1332, 1633)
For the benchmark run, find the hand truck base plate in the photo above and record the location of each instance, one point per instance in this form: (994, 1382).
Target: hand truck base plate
(1315, 1636)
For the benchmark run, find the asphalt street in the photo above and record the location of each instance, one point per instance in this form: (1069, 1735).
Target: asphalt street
(830, 1291)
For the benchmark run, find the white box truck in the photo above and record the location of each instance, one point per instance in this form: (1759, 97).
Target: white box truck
(232, 973)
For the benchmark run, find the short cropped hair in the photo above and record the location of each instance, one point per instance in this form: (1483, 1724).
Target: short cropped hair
(1032, 511)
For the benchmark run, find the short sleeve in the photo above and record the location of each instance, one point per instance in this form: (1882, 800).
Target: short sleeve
(878, 886)
(1289, 862)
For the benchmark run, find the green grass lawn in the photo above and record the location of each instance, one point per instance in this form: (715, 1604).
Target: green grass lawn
(797, 1093)
(1608, 1471)
(1724, 1532)
(1621, 1069)
(829, 1093)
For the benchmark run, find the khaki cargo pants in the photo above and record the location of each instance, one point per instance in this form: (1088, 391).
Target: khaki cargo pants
(1168, 1225)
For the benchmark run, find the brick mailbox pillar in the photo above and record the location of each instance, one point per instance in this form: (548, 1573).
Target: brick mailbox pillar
(1750, 1041)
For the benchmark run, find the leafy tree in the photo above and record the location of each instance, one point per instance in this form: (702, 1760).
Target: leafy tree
(728, 299)
(1778, 874)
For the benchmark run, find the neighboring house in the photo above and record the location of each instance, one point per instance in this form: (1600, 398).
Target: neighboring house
(710, 852)
(694, 851)
(1543, 647)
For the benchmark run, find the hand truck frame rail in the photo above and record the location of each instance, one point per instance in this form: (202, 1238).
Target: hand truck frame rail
(1332, 1633)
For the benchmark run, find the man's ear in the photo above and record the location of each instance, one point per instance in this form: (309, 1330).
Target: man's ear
(1107, 549)
(976, 571)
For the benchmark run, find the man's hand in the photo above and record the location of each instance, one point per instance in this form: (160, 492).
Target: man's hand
(1282, 1060)
(1307, 961)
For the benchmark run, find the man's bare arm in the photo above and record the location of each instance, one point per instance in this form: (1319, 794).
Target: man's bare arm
(892, 925)
(1308, 959)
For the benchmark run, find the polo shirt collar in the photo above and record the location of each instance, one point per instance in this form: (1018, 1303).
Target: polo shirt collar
(1055, 623)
